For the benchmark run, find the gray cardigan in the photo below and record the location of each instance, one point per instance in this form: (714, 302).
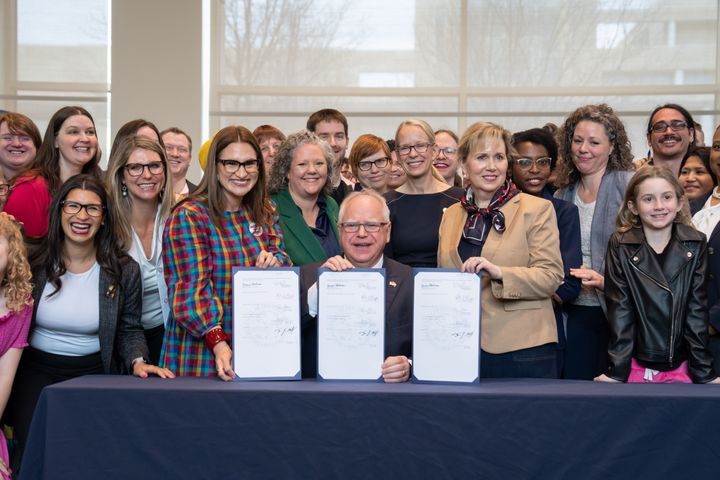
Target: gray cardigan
(121, 335)
(609, 198)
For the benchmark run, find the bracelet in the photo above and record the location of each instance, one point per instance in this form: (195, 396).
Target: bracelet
(215, 336)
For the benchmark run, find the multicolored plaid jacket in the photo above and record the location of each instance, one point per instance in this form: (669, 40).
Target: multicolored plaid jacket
(198, 260)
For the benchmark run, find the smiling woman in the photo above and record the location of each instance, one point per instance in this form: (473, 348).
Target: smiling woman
(512, 239)
(414, 239)
(227, 222)
(69, 147)
(140, 186)
(72, 334)
(300, 183)
(594, 174)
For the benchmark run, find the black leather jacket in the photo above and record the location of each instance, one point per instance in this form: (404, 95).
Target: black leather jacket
(658, 315)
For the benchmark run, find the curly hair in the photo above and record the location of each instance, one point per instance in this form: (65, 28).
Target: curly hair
(621, 155)
(17, 276)
(627, 220)
(284, 157)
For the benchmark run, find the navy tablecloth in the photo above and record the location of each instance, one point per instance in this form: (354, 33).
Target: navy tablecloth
(123, 427)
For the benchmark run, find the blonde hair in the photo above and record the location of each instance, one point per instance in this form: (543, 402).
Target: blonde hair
(114, 181)
(16, 281)
(480, 133)
(627, 220)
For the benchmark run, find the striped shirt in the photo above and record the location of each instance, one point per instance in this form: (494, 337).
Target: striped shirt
(198, 260)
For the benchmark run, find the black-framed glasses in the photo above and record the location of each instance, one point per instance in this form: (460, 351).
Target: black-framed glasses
(526, 163)
(4, 189)
(447, 151)
(379, 163)
(232, 166)
(370, 227)
(137, 169)
(73, 208)
(675, 126)
(419, 148)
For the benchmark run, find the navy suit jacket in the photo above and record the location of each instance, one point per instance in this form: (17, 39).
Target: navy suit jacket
(398, 313)
(568, 222)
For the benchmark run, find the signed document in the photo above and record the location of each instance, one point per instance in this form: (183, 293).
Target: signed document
(446, 326)
(266, 323)
(351, 324)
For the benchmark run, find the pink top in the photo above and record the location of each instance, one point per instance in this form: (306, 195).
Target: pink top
(14, 329)
(29, 201)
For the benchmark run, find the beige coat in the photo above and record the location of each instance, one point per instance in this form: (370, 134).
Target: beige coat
(517, 312)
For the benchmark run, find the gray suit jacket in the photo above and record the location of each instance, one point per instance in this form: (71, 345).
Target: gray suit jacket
(121, 334)
(607, 205)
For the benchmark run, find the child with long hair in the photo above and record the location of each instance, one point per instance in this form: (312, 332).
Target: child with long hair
(15, 313)
(655, 287)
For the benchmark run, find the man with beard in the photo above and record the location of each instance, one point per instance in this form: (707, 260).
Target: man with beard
(332, 126)
(670, 133)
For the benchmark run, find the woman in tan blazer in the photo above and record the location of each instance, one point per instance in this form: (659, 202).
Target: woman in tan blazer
(512, 239)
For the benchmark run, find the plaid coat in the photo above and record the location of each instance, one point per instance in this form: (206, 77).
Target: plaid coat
(198, 260)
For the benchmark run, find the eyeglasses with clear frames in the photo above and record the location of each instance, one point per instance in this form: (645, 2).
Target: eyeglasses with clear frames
(379, 163)
(370, 227)
(675, 126)
(232, 166)
(419, 148)
(447, 151)
(73, 208)
(526, 163)
(137, 169)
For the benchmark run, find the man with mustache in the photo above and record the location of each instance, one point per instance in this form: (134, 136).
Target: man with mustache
(670, 133)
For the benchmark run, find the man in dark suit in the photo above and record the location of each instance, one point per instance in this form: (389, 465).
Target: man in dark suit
(364, 229)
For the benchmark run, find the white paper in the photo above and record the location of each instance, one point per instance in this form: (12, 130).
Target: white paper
(266, 323)
(446, 327)
(351, 325)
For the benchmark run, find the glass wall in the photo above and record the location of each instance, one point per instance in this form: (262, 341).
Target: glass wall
(520, 63)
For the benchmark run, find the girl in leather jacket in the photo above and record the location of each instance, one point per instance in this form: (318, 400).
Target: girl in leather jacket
(655, 287)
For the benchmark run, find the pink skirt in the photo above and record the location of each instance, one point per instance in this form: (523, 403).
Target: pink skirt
(4, 453)
(640, 374)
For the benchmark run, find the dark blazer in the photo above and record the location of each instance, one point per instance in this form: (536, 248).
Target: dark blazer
(398, 313)
(301, 245)
(658, 313)
(121, 333)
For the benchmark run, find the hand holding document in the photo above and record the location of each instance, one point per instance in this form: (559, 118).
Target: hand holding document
(266, 323)
(351, 324)
(446, 326)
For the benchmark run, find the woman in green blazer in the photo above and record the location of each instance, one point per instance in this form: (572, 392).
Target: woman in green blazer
(300, 186)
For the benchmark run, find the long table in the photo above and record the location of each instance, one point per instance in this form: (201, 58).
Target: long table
(123, 427)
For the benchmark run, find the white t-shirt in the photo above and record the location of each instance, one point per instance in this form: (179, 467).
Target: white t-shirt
(68, 323)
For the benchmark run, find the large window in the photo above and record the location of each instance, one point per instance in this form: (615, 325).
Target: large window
(520, 63)
(55, 53)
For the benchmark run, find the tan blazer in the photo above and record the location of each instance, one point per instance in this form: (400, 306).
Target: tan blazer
(517, 312)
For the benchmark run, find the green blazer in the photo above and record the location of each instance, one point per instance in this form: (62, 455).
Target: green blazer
(300, 243)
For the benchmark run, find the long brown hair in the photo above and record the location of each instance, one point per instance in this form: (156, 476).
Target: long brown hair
(211, 192)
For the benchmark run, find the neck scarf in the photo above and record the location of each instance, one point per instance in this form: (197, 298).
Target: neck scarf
(479, 220)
